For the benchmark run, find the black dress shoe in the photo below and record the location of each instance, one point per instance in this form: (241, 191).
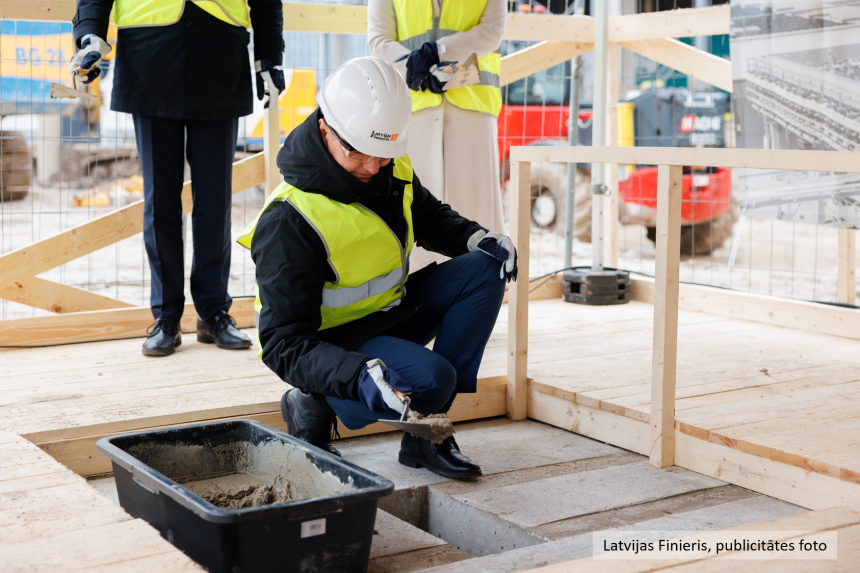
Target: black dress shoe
(444, 459)
(308, 421)
(163, 339)
(222, 331)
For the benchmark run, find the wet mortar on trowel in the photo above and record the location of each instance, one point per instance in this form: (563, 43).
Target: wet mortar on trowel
(440, 424)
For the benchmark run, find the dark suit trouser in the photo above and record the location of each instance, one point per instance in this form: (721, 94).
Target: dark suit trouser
(210, 148)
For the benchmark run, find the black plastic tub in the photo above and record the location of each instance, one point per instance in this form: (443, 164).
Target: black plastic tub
(327, 525)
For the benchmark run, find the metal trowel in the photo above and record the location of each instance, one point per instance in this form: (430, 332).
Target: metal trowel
(466, 75)
(59, 91)
(418, 429)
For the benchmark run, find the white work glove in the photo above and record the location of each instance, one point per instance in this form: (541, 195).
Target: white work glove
(498, 246)
(86, 62)
(275, 77)
(444, 71)
(375, 389)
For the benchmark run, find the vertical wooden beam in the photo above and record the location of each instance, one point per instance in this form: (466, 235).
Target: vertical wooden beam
(665, 353)
(518, 297)
(846, 285)
(271, 138)
(610, 205)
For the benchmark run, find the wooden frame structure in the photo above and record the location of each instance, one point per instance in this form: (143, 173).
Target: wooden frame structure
(667, 443)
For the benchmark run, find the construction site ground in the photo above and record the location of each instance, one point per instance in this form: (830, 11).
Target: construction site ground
(777, 408)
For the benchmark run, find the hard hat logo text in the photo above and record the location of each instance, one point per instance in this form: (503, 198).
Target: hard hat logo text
(383, 136)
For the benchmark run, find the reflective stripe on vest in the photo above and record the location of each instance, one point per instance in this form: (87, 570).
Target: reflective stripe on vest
(369, 262)
(144, 13)
(339, 298)
(416, 25)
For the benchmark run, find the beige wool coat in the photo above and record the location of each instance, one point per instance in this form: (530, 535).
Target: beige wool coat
(454, 152)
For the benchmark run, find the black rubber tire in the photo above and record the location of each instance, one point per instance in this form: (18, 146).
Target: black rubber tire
(704, 238)
(550, 180)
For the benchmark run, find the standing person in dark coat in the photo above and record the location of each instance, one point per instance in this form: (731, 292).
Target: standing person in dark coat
(183, 72)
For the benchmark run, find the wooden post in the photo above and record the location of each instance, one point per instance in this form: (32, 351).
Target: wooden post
(610, 205)
(271, 138)
(665, 354)
(518, 297)
(846, 285)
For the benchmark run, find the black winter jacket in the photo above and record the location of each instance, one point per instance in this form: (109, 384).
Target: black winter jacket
(197, 68)
(292, 266)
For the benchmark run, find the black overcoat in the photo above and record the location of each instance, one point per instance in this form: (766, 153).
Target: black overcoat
(197, 68)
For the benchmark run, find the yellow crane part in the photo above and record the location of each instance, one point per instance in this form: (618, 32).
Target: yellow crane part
(296, 103)
(626, 129)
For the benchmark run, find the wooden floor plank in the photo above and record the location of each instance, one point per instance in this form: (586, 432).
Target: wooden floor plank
(52, 520)
(811, 383)
(107, 546)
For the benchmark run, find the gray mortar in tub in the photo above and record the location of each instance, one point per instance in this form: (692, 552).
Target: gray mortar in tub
(240, 474)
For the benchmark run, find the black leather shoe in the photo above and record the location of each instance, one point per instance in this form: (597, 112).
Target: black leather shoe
(444, 459)
(222, 331)
(308, 421)
(163, 339)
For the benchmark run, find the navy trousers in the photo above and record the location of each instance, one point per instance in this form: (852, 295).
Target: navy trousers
(460, 302)
(210, 148)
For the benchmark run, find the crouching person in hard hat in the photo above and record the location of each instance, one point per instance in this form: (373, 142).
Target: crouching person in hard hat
(339, 317)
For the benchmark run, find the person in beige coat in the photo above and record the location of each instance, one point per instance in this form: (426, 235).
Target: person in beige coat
(452, 134)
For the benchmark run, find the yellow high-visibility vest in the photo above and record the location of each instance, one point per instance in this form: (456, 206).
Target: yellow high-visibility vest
(416, 25)
(140, 13)
(370, 263)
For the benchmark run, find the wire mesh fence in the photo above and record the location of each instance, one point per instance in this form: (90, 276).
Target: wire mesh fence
(66, 162)
(721, 245)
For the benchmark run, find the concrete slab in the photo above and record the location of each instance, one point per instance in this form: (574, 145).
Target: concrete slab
(498, 445)
(473, 530)
(501, 447)
(392, 536)
(640, 512)
(525, 475)
(553, 499)
(105, 486)
(400, 548)
(414, 506)
(750, 510)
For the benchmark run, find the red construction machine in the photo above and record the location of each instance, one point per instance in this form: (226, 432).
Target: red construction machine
(536, 112)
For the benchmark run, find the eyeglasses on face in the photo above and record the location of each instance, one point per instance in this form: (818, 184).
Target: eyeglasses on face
(352, 153)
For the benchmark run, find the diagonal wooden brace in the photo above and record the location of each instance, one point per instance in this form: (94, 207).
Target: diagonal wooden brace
(104, 231)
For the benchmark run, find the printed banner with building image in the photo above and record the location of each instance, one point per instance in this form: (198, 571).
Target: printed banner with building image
(796, 71)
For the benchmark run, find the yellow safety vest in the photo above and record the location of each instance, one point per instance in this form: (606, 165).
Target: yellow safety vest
(140, 13)
(369, 262)
(416, 25)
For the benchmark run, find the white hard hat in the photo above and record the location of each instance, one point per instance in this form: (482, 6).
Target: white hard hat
(367, 102)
